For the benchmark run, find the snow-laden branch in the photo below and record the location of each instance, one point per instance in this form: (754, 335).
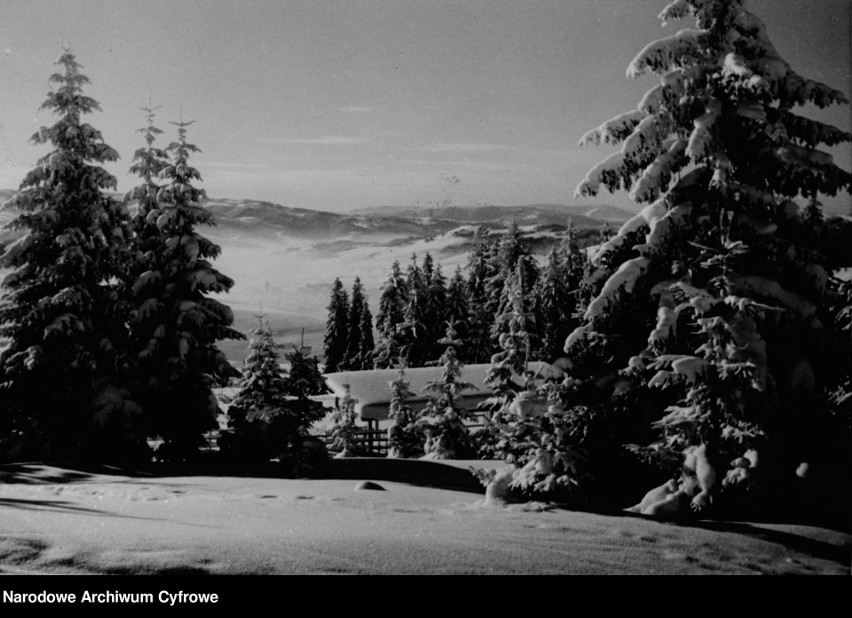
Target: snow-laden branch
(614, 130)
(809, 132)
(655, 178)
(686, 47)
(660, 228)
(647, 137)
(624, 278)
(674, 11)
(797, 90)
(608, 172)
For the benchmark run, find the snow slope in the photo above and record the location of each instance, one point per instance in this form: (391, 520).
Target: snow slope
(429, 520)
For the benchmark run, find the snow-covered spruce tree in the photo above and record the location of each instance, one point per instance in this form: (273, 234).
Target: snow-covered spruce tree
(261, 396)
(344, 430)
(555, 304)
(304, 378)
(512, 251)
(405, 436)
(336, 336)
(575, 259)
(457, 311)
(507, 377)
(366, 344)
(576, 267)
(357, 300)
(520, 282)
(503, 258)
(391, 314)
(412, 345)
(272, 413)
(305, 454)
(557, 294)
(548, 445)
(436, 306)
(64, 374)
(443, 419)
(481, 268)
(726, 282)
(148, 162)
(175, 325)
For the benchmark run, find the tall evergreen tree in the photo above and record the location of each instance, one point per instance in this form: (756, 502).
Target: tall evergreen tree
(366, 344)
(413, 345)
(481, 268)
(443, 418)
(511, 251)
(391, 314)
(511, 247)
(520, 282)
(357, 303)
(736, 336)
(428, 269)
(555, 305)
(176, 325)
(148, 162)
(574, 259)
(436, 307)
(515, 343)
(513, 430)
(336, 339)
(63, 375)
(457, 311)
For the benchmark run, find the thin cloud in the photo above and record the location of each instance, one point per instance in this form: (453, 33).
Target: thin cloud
(326, 140)
(466, 148)
(355, 109)
(231, 165)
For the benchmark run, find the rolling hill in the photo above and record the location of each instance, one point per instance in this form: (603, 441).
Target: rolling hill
(269, 218)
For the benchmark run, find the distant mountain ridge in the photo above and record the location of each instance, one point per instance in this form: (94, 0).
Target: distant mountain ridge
(271, 219)
(582, 215)
(275, 219)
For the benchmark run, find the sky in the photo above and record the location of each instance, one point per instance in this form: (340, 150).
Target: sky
(345, 104)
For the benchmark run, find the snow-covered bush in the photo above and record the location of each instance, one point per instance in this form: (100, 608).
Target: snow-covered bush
(344, 430)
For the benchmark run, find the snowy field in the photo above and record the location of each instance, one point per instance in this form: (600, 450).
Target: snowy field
(430, 519)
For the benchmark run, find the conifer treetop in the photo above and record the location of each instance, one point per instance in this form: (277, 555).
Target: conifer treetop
(182, 148)
(148, 161)
(74, 142)
(720, 80)
(181, 172)
(181, 202)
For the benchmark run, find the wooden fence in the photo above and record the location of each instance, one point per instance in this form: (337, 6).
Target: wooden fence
(374, 441)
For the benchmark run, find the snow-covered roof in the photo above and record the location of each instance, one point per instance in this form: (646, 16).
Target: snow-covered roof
(371, 389)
